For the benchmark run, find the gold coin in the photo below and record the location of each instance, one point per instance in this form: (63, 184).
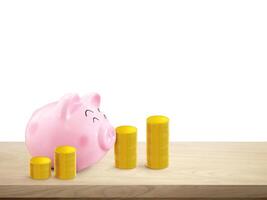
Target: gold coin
(40, 167)
(125, 147)
(157, 142)
(65, 162)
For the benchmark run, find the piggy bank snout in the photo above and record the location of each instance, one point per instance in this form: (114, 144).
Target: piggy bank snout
(106, 137)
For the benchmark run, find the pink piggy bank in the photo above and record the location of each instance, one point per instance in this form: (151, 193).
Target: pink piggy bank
(75, 121)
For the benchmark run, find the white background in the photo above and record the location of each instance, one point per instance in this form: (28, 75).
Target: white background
(201, 63)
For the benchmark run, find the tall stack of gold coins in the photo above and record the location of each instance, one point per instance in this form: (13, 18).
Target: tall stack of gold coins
(125, 147)
(65, 162)
(40, 167)
(157, 142)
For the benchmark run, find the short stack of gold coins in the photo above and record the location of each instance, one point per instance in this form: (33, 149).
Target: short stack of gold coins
(157, 142)
(125, 147)
(65, 162)
(40, 167)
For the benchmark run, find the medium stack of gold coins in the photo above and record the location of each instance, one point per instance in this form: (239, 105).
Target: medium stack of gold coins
(157, 142)
(65, 162)
(40, 167)
(125, 147)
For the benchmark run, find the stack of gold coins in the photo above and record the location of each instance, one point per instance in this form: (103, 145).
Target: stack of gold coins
(40, 167)
(125, 147)
(65, 162)
(157, 142)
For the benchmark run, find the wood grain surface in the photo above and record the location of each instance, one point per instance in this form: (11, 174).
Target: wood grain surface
(198, 170)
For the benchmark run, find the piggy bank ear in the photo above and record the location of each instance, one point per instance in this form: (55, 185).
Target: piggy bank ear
(67, 105)
(93, 99)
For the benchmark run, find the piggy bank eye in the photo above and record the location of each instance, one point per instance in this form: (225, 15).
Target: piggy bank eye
(90, 111)
(95, 118)
(86, 112)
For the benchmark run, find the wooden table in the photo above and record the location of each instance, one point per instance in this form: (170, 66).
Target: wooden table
(198, 170)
